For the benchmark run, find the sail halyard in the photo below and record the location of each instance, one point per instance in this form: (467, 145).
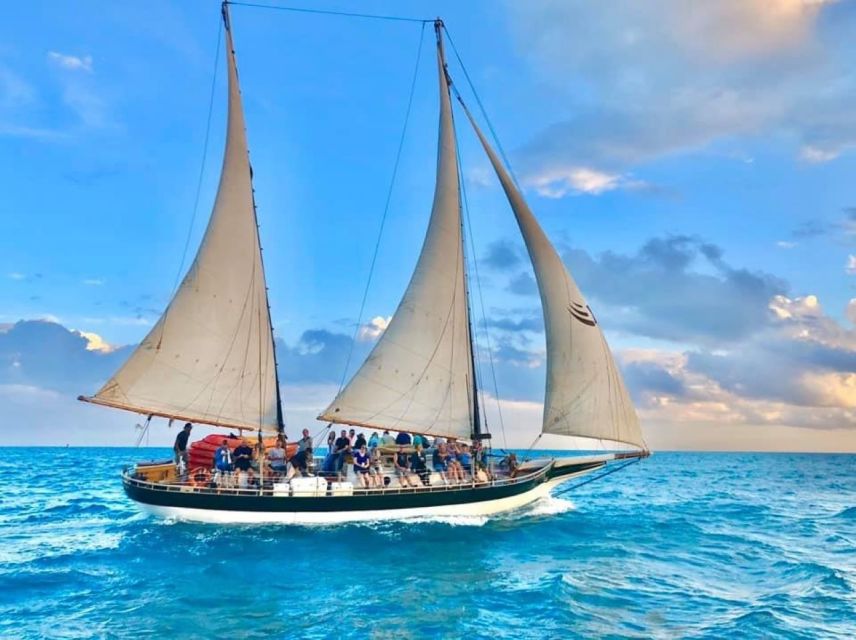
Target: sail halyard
(210, 357)
(585, 395)
(418, 377)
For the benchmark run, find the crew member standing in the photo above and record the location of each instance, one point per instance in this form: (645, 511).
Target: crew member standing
(180, 446)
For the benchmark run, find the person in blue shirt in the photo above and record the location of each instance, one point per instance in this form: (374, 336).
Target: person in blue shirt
(223, 461)
(441, 462)
(362, 464)
(374, 441)
(403, 438)
(465, 459)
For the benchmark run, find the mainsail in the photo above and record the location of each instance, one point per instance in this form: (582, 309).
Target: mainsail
(210, 357)
(585, 393)
(419, 376)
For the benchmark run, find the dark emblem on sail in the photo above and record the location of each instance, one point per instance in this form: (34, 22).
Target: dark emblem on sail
(583, 313)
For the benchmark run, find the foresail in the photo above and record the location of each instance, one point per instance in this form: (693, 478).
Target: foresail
(585, 394)
(419, 375)
(210, 356)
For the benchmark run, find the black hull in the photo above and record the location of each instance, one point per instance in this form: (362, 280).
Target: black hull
(215, 505)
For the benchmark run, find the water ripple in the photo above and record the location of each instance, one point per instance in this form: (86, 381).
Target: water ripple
(682, 545)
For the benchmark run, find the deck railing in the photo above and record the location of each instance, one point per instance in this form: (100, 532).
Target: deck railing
(187, 486)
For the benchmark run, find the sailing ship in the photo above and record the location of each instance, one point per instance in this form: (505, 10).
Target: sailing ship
(211, 359)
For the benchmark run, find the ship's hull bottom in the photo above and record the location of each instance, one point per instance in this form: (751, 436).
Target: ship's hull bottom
(476, 508)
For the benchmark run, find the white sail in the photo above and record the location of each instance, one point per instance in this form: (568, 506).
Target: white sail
(585, 393)
(210, 356)
(418, 377)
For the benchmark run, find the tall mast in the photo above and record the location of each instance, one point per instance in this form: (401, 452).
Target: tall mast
(280, 422)
(476, 414)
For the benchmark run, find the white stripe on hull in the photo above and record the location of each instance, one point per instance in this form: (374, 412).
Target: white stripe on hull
(468, 509)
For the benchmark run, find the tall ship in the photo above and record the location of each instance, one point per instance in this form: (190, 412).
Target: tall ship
(211, 360)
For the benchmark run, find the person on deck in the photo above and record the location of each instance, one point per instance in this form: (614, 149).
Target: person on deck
(243, 456)
(374, 441)
(223, 462)
(403, 438)
(352, 434)
(342, 448)
(331, 441)
(465, 459)
(455, 471)
(419, 465)
(299, 463)
(276, 457)
(402, 469)
(387, 440)
(376, 469)
(305, 442)
(179, 449)
(510, 463)
(360, 441)
(440, 460)
(362, 465)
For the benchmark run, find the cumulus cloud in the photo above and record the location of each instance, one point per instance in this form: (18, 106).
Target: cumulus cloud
(644, 80)
(560, 181)
(850, 267)
(373, 329)
(677, 288)
(44, 354)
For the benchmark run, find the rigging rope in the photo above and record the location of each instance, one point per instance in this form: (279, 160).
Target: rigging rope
(597, 477)
(201, 168)
(347, 14)
(481, 106)
(395, 166)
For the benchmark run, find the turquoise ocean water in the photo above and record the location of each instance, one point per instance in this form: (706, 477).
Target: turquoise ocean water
(678, 546)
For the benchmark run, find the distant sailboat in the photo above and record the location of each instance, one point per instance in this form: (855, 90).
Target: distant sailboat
(211, 359)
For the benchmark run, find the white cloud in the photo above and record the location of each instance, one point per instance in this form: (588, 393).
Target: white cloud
(558, 182)
(93, 282)
(644, 80)
(816, 155)
(850, 267)
(374, 329)
(786, 244)
(70, 62)
(16, 276)
(94, 342)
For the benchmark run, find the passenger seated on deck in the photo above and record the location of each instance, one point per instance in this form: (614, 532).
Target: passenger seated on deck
(223, 457)
(402, 469)
(276, 457)
(299, 463)
(403, 438)
(374, 441)
(387, 440)
(243, 455)
(455, 472)
(510, 464)
(440, 460)
(465, 458)
(362, 466)
(376, 468)
(419, 465)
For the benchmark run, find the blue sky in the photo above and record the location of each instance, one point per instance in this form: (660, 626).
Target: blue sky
(693, 164)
